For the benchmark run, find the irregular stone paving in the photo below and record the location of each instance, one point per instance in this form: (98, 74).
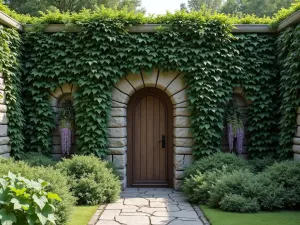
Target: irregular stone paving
(150, 206)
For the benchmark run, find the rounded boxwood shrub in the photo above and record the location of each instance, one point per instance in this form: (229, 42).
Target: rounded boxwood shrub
(57, 184)
(287, 175)
(90, 179)
(197, 186)
(238, 203)
(38, 159)
(217, 161)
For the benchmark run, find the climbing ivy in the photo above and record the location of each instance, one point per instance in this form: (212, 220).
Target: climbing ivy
(212, 60)
(288, 51)
(10, 46)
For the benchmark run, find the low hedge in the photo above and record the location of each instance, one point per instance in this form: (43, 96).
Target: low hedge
(38, 159)
(91, 180)
(58, 184)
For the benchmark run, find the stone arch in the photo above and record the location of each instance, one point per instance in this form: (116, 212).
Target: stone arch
(172, 83)
(56, 98)
(296, 139)
(239, 95)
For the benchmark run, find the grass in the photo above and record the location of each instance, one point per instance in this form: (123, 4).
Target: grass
(82, 215)
(217, 217)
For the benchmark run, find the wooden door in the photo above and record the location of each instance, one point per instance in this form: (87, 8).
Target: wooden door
(149, 138)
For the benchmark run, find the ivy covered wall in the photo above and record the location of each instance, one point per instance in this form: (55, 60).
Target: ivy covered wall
(212, 60)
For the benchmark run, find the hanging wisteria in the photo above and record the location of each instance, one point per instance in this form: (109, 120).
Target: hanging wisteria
(235, 126)
(66, 124)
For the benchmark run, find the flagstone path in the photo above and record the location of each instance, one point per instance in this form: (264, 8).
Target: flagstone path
(150, 206)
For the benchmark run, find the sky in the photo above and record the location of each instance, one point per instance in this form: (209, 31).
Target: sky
(161, 6)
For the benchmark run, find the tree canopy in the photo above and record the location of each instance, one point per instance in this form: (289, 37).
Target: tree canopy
(258, 7)
(33, 7)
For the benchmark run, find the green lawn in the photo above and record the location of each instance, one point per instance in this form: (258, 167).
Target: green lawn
(217, 217)
(82, 215)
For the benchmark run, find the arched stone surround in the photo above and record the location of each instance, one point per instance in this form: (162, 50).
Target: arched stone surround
(56, 98)
(173, 85)
(296, 139)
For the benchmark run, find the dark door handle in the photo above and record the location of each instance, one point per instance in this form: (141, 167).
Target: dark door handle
(163, 141)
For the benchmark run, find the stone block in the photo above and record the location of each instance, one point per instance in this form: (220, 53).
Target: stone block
(4, 140)
(6, 155)
(150, 77)
(298, 132)
(120, 161)
(181, 121)
(180, 97)
(182, 161)
(124, 183)
(136, 81)
(117, 142)
(119, 112)
(181, 105)
(118, 96)
(124, 86)
(56, 140)
(1, 74)
(298, 110)
(296, 149)
(3, 118)
(298, 119)
(3, 108)
(2, 97)
(176, 86)
(181, 112)
(2, 84)
(179, 175)
(183, 132)
(296, 141)
(4, 149)
(182, 150)
(53, 101)
(183, 142)
(66, 88)
(122, 173)
(177, 184)
(57, 93)
(117, 122)
(117, 132)
(3, 130)
(165, 78)
(118, 105)
(117, 151)
(296, 157)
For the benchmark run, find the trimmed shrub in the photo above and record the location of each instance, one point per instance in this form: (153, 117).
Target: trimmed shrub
(217, 161)
(38, 159)
(90, 179)
(287, 175)
(197, 187)
(58, 184)
(238, 203)
(260, 164)
(241, 182)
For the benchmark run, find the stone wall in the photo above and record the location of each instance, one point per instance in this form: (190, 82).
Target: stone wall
(4, 139)
(296, 139)
(173, 85)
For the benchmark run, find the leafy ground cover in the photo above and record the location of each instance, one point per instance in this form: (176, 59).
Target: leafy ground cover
(217, 217)
(82, 214)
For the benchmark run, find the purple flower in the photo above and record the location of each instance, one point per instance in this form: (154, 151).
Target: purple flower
(240, 139)
(230, 136)
(66, 140)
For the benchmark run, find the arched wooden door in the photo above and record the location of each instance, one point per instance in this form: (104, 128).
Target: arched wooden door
(150, 142)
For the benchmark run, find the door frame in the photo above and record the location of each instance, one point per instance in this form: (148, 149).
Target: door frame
(150, 91)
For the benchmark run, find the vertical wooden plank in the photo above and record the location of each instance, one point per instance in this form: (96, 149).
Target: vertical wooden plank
(156, 138)
(137, 143)
(149, 134)
(143, 133)
(163, 151)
